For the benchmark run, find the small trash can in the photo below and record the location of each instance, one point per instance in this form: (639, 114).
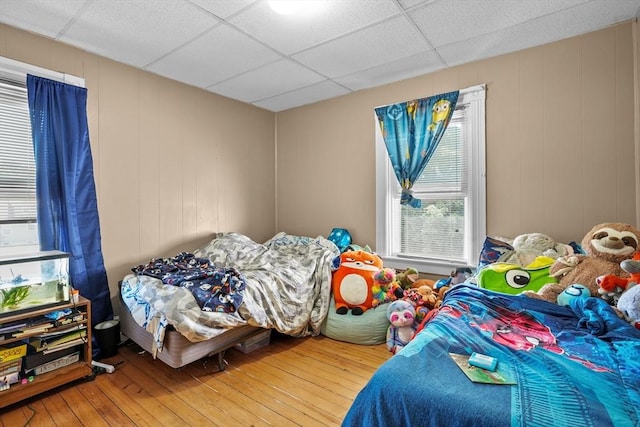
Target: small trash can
(108, 337)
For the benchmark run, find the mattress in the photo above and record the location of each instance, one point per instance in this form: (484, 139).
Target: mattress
(179, 351)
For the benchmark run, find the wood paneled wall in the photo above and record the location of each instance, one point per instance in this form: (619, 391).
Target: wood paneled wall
(560, 142)
(173, 164)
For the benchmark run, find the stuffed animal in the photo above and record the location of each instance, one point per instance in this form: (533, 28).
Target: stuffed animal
(610, 287)
(442, 291)
(629, 305)
(382, 282)
(606, 245)
(407, 277)
(423, 298)
(401, 315)
(514, 279)
(526, 247)
(352, 281)
(460, 275)
(572, 292)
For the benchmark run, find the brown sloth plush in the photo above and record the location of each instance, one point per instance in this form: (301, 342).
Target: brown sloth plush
(606, 245)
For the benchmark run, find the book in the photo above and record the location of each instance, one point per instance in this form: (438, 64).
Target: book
(31, 361)
(66, 317)
(75, 317)
(63, 346)
(8, 368)
(480, 375)
(12, 351)
(57, 363)
(33, 330)
(50, 343)
(11, 327)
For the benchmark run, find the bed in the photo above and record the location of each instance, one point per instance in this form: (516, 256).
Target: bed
(572, 366)
(228, 291)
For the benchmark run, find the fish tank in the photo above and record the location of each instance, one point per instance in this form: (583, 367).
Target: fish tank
(35, 280)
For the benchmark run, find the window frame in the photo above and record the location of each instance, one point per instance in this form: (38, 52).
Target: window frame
(15, 72)
(473, 100)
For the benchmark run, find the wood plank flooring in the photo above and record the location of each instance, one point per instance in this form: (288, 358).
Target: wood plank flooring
(292, 382)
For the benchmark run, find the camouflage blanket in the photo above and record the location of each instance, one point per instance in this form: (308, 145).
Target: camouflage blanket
(287, 288)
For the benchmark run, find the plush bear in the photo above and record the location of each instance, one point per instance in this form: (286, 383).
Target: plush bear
(352, 282)
(606, 245)
(527, 247)
(401, 315)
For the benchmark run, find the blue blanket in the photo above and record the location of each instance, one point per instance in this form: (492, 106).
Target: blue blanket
(574, 366)
(215, 289)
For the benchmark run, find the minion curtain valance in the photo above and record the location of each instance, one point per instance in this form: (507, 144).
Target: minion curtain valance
(412, 131)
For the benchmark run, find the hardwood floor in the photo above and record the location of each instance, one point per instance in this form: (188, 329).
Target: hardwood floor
(292, 382)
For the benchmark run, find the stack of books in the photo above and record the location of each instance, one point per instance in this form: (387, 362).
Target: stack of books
(11, 363)
(59, 347)
(8, 329)
(54, 350)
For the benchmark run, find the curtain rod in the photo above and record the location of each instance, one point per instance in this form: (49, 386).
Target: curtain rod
(17, 71)
(464, 91)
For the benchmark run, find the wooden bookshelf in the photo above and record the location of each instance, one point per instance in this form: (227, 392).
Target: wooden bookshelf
(57, 377)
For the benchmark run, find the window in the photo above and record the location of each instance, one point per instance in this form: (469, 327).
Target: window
(18, 228)
(448, 231)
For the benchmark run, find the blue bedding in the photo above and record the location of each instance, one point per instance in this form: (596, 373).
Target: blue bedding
(574, 366)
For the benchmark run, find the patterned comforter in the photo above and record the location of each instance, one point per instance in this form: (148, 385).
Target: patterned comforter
(573, 366)
(287, 288)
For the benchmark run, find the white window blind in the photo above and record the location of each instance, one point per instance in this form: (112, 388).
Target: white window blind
(437, 230)
(18, 226)
(18, 172)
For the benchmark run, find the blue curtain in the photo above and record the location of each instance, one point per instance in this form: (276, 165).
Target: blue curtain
(65, 188)
(412, 131)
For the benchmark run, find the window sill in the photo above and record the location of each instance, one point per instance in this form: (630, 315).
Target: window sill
(439, 268)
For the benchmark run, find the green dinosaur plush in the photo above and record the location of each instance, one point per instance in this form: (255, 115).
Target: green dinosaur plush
(407, 277)
(514, 279)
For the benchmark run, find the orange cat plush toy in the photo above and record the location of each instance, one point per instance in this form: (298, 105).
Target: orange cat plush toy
(353, 280)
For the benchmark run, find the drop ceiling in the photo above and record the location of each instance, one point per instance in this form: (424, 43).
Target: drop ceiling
(244, 50)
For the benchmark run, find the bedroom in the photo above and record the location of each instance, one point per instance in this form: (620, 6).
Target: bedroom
(140, 123)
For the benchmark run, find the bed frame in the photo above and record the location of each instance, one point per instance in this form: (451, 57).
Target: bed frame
(178, 351)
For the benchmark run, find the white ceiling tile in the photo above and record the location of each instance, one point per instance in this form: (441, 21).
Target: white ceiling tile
(236, 47)
(290, 34)
(375, 45)
(401, 69)
(408, 4)
(215, 56)
(267, 81)
(39, 16)
(306, 95)
(137, 32)
(223, 8)
(450, 21)
(568, 23)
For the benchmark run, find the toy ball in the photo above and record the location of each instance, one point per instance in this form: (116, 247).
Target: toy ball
(340, 237)
(572, 292)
